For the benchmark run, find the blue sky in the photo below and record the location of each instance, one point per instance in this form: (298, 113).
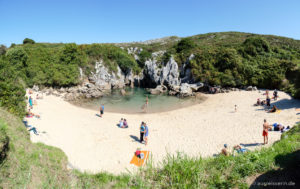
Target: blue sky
(91, 21)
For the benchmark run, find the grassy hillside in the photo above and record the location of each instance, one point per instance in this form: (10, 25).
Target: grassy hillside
(28, 165)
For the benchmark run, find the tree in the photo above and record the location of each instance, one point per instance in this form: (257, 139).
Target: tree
(256, 45)
(18, 57)
(185, 45)
(12, 45)
(3, 50)
(28, 41)
(70, 54)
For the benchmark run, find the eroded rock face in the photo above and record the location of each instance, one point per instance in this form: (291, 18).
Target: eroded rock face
(159, 90)
(170, 74)
(106, 79)
(186, 72)
(167, 75)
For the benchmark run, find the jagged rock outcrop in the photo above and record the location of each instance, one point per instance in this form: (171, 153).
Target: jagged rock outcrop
(159, 90)
(167, 75)
(106, 79)
(186, 72)
(185, 90)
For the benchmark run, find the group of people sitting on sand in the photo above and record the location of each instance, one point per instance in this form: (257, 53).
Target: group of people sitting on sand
(267, 101)
(123, 123)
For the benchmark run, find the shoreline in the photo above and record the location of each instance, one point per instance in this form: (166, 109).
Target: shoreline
(200, 99)
(96, 144)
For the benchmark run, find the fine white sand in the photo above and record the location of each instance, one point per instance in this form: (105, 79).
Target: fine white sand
(96, 144)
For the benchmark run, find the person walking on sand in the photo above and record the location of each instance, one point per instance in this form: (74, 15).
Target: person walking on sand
(101, 110)
(235, 108)
(146, 133)
(266, 127)
(142, 132)
(30, 102)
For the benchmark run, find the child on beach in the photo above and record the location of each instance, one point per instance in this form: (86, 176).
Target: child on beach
(101, 110)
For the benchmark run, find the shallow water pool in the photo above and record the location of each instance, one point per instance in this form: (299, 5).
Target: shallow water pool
(134, 101)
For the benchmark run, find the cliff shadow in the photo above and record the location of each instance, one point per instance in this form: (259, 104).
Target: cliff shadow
(286, 103)
(287, 176)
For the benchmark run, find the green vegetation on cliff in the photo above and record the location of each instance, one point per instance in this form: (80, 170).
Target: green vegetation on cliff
(27, 165)
(240, 59)
(229, 59)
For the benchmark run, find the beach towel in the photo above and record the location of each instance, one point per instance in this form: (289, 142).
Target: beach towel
(278, 111)
(140, 162)
(298, 109)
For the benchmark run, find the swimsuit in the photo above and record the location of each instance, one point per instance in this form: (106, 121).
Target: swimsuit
(265, 133)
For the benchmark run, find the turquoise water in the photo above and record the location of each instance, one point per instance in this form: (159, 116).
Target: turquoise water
(135, 99)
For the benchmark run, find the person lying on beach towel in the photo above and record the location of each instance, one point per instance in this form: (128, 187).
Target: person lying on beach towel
(34, 130)
(274, 109)
(279, 127)
(139, 158)
(239, 149)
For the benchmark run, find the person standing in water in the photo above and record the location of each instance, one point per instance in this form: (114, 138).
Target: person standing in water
(145, 106)
(101, 110)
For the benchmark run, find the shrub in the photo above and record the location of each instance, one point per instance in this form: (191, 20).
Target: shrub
(3, 50)
(185, 45)
(12, 93)
(28, 41)
(17, 56)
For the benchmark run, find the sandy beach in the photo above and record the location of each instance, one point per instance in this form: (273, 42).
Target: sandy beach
(95, 144)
